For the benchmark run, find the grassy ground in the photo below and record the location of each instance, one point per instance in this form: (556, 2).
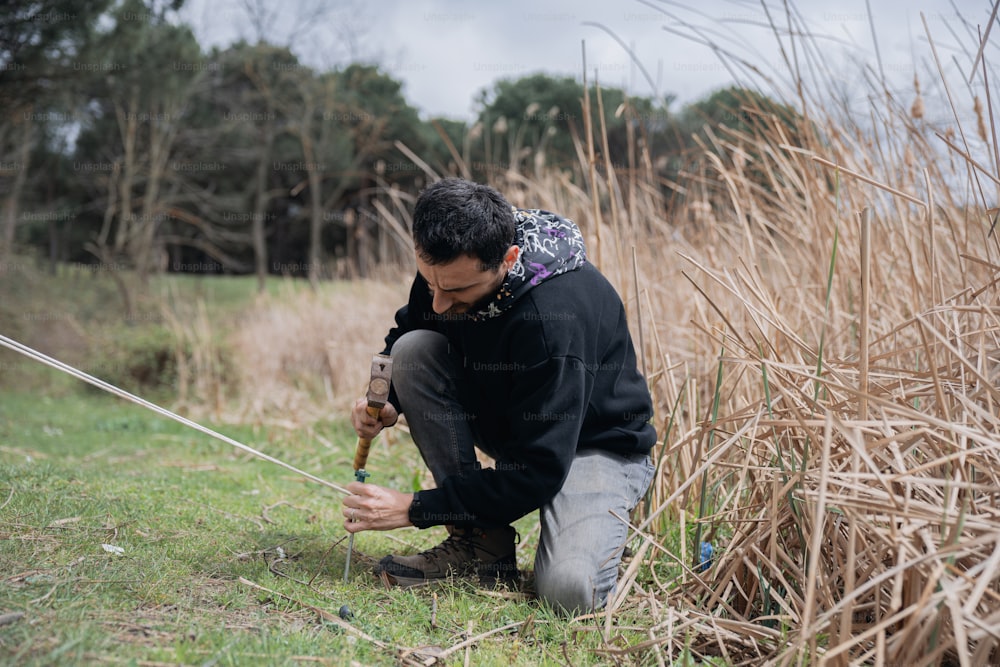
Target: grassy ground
(816, 310)
(127, 538)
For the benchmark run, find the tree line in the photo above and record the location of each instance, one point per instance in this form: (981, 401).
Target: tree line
(125, 144)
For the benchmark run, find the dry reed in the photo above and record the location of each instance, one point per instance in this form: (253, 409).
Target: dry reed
(856, 503)
(852, 494)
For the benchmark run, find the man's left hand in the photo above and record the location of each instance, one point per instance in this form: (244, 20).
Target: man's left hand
(373, 507)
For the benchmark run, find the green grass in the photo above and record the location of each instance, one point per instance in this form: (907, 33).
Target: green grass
(224, 294)
(193, 516)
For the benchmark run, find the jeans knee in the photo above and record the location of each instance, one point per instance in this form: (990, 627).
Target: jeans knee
(413, 355)
(571, 586)
(414, 346)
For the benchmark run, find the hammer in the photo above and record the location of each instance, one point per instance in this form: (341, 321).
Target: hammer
(378, 394)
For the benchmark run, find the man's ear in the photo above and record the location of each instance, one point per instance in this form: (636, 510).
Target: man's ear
(510, 257)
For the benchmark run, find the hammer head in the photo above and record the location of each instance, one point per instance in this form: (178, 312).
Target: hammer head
(378, 386)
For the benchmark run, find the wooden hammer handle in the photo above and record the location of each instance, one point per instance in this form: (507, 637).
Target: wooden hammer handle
(364, 444)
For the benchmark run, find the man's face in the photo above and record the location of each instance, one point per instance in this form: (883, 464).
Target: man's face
(461, 283)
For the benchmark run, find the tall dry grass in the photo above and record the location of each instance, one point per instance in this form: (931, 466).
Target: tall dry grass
(292, 357)
(822, 333)
(819, 319)
(313, 350)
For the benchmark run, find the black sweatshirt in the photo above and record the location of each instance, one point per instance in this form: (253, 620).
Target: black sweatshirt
(552, 371)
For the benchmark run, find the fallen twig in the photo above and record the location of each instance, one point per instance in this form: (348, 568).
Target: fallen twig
(11, 617)
(268, 508)
(322, 560)
(9, 496)
(322, 613)
(230, 515)
(483, 635)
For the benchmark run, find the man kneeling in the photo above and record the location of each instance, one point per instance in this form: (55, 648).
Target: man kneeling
(511, 342)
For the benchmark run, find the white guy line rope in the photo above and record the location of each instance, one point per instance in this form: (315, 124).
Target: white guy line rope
(108, 387)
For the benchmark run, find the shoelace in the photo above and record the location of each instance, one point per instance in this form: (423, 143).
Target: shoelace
(454, 544)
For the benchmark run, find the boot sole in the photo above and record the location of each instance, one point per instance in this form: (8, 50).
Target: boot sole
(398, 581)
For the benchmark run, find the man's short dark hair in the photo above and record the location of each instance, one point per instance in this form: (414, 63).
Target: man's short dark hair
(455, 217)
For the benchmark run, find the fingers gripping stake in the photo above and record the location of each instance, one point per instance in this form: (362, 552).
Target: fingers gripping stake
(378, 394)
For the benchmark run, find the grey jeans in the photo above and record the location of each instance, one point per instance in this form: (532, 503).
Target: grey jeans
(580, 548)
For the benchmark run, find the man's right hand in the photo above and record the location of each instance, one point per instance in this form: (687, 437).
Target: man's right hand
(367, 426)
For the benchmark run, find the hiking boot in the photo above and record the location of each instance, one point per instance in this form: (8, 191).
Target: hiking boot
(486, 554)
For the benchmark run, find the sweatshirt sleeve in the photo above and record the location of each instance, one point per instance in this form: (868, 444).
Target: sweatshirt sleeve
(545, 418)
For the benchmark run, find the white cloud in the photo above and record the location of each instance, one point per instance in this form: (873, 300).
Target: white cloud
(446, 51)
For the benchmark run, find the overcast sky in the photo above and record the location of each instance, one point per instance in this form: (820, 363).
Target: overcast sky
(446, 51)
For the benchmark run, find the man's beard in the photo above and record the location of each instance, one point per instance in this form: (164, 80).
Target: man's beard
(458, 310)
